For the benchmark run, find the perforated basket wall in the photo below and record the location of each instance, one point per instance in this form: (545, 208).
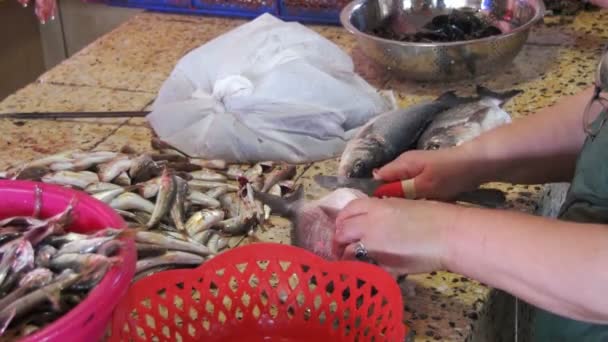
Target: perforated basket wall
(259, 291)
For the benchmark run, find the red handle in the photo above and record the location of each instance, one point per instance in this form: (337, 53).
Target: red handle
(401, 189)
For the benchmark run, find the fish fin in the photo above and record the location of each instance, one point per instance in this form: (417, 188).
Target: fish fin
(55, 299)
(503, 96)
(6, 321)
(284, 206)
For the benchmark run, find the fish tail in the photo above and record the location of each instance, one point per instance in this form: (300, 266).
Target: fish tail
(284, 206)
(502, 96)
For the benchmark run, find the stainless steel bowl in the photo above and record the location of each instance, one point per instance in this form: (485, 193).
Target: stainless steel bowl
(441, 61)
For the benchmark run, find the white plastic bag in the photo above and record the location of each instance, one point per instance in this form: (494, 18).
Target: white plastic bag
(267, 90)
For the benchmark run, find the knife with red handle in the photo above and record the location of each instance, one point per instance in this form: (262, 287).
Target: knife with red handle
(406, 189)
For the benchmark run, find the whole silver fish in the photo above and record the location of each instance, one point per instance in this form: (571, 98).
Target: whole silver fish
(203, 199)
(149, 189)
(216, 164)
(202, 220)
(170, 258)
(113, 168)
(164, 199)
(101, 187)
(78, 262)
(208, 175)
(467, 121)
(386, 136)
(207, 185)
(234, 172)
(131, 201)
(79, 180)
(217, 192)
(84, 246)
(179, 204)
(108, 195)
(34, 279)
(55, 158)
(170, 243)
(123, 179)
(277, 175)
(142, 168)
(29, 302)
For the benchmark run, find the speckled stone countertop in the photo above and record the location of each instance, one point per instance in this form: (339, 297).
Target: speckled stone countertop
(124, 69)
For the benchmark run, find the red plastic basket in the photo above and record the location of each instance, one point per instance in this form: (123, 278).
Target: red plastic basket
(263, 292)
(89, 319)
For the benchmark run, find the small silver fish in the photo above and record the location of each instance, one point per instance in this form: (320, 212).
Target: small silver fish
(63, 166)
(76, 261)
(209, 164)
(217, 192)
(112, 169)
(202, 199)
(108, 195)
(83, 246)
(170, 258)
(202, 220)
(282, 173)
(170, 243)
(64, 156)
(234, 172)
(207, 185)
(101, 187)
(149, 189)
(101, 156)
(79, 180)
(36, 278)
(238, 225)
(253, 172)
(123, 179)
(131, 201)
(179, 204)
(165, 198)
(208, 175)
(142, 168)
(29, 302)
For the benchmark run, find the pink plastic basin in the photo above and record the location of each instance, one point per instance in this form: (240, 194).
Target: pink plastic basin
(89, 319)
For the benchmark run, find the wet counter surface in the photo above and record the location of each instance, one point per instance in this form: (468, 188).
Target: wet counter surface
(124, 69)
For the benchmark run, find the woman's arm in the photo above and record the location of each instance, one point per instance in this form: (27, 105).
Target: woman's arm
(537, 149)
(540, 148)
(556, 265)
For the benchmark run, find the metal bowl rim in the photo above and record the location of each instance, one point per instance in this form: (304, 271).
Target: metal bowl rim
(346, 15)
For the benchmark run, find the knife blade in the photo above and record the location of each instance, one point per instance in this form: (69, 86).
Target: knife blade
(486, 197)
(72, 115)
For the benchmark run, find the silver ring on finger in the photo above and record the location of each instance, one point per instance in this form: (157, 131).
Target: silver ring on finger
(360, 251)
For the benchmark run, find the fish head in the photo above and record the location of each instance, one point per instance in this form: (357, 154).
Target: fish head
(361, 157)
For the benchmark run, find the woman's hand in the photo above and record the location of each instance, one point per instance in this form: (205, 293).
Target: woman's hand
(438, 174)
(402, 236)
(44, 9)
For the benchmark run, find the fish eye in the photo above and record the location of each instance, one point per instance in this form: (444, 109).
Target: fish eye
(357, 168)
(433, 146)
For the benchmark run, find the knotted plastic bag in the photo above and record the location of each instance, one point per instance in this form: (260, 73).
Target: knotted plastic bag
(267, 90)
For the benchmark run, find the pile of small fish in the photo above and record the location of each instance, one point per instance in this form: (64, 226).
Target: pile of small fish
(45, 271)
(184, 210)
(453, 27)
